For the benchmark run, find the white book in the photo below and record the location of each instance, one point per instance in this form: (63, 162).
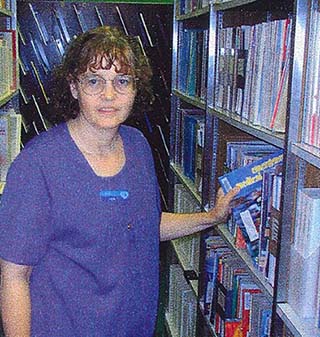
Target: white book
(188, 314)
(303, 283)
(15, 122)
(4, 147)
(307, 231)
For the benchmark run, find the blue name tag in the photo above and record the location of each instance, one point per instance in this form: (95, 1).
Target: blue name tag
(114, 194)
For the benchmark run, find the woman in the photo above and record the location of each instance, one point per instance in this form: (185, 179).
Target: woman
(80, 215)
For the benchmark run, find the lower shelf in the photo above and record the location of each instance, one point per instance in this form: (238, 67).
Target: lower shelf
(244, 256)
(299, 327)
(207, 321)
(185, 264)
(172, 331)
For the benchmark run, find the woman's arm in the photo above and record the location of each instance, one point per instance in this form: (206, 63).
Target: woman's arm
(15, 299)
(175, 225)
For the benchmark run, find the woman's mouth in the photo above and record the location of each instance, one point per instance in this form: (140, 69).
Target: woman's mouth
(107, 110)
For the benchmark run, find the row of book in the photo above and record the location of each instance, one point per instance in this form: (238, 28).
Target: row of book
(192, 139)
(181, 312)
(193, 59)
(232, 301)
(10, 136)
(252, 72)
(5, 4)
(8, 59)
(182, 305)
(256, 167)
(304, 286)
(311, 114)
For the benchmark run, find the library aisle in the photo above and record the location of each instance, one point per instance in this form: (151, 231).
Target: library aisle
(237, 87)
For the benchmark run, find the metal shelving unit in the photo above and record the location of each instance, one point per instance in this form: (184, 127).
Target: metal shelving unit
(298, 155)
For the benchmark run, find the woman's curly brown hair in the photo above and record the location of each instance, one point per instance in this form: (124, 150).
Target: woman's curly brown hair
(87, 52)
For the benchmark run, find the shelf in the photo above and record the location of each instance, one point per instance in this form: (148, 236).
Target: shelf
(193, 14)
(185, 266)
(206, 318)
(291, 28)
(259, 278)
(5, 12)
(299, 327)
(140, 2)
(307, 152)
(7, 97)
(2, 185)
(197, 102)
(275, 138)
(170, 328)
(188, 183)
(223, 5)
(218, 6)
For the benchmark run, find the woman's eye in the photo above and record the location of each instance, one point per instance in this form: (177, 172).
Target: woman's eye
(93, 81)
(123, 81)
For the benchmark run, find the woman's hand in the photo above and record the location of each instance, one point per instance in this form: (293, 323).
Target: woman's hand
(222, 207)
(175, 225)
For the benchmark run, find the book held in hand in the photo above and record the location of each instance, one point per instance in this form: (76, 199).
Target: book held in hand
(249, 177)
(246, 213)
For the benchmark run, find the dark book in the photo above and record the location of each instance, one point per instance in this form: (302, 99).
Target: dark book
(191, 125)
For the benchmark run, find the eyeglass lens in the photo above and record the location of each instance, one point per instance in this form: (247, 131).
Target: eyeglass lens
(93, 85)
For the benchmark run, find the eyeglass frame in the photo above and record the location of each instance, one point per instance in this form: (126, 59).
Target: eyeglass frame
(134, 80)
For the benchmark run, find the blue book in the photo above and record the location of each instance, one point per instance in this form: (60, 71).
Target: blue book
(192, 66)
(266, 315)
(189, 145)
(246, 211)
(271, 185)
(184, 59)
(249, 177)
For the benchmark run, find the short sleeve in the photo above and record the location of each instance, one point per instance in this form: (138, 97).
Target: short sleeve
(25, 228)
(149, 160)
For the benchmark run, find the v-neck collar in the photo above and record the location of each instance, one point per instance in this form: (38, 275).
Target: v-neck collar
(83, 162)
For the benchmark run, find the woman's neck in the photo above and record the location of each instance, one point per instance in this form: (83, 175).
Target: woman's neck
(94, 141)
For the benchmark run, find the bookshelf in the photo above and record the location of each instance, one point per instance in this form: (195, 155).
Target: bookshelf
(8, 48)
(245, 81)
(10, 120)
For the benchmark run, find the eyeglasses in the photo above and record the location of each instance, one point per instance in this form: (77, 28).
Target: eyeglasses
(94, 84)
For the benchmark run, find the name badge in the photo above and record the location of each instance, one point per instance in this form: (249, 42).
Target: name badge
(111, 195)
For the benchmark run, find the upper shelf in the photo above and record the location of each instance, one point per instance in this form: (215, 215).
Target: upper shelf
(218, 5)
(189, 99)
(193, 14)
(186, 182)
(307, 152)
(274, 138)
(223, 4)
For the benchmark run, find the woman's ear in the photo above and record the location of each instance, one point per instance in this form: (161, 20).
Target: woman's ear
(73, 89)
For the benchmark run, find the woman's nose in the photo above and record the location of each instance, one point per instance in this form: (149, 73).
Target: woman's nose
(109, 91)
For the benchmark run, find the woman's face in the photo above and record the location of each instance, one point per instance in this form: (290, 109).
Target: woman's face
(105, 97)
